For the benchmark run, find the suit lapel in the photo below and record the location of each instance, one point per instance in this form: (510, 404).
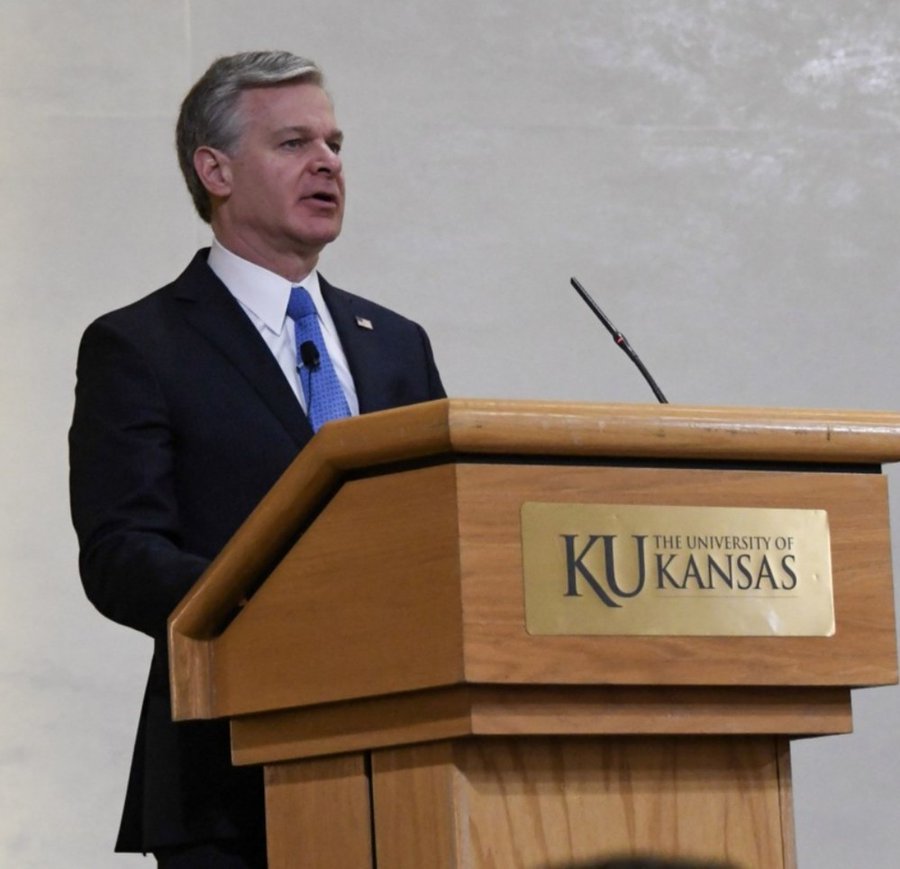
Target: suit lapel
(360, 345)
(214, 313)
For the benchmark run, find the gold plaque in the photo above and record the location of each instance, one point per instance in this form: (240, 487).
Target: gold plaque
(686, 571)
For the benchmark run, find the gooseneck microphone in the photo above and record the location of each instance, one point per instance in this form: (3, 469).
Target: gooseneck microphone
(619, 338)
(309, 355)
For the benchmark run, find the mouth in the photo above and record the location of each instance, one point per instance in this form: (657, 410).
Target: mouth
(323, 197)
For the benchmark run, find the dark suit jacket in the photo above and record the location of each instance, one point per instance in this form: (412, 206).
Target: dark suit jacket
(183, 421)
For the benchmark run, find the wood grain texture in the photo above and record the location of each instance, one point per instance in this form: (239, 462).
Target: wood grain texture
(499, 649)
(366, 603)
(428, 593)
(544, 803)
(440, 430)
(786, 802)
(395, 622)
(430, 716)
(318, 814)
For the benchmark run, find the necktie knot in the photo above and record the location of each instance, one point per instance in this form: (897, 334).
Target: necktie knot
(300, 304)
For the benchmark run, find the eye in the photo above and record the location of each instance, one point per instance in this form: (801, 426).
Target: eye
(336, 146)
(293, 144)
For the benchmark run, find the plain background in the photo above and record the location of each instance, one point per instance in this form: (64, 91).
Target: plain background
(722, 175)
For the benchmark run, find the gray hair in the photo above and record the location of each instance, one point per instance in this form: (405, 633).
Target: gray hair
(209, 113)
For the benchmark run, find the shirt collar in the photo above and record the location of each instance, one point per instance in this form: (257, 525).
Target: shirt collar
(259, 290)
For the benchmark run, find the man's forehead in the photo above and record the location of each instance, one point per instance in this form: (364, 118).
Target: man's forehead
(294, 109)
(288, 93)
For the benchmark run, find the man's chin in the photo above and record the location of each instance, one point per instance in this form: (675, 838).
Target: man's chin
(320, 237)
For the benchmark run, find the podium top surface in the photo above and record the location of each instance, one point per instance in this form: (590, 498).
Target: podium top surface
(647, 431)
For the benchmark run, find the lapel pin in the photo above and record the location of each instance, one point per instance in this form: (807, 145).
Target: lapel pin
(364, 323)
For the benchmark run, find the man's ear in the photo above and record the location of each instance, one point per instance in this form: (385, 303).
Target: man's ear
(213, 167)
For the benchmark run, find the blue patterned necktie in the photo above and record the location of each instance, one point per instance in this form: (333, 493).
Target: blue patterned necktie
(325, 399)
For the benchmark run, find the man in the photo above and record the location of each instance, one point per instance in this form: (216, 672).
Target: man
(189, 406)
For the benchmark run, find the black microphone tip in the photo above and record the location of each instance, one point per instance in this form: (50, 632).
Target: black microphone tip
(309, 354)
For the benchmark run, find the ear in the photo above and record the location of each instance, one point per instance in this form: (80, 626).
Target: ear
(213, 168)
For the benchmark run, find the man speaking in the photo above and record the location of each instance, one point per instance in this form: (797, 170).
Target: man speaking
(191, 402)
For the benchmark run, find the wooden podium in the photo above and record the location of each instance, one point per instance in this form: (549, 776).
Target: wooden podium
(365, 633)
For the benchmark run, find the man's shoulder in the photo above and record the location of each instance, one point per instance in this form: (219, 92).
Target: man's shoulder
(196, 280)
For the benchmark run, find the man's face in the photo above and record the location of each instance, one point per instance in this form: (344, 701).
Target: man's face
(286, 194)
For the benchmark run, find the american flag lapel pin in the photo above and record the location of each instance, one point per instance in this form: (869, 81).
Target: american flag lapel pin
(364, 323)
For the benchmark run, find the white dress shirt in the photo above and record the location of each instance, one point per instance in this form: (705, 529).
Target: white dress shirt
(263, 295)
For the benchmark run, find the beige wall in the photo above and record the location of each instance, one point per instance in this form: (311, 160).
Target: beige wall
(722, 175)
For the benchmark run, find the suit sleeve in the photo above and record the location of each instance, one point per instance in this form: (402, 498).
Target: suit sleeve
(123, 499)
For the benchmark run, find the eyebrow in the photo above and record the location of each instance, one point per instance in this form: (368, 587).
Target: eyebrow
(332, 136)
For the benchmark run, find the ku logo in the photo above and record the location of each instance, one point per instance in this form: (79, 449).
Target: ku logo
(595, 561)
(610, 590)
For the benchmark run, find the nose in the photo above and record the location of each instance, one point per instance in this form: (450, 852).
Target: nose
(327, 160)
